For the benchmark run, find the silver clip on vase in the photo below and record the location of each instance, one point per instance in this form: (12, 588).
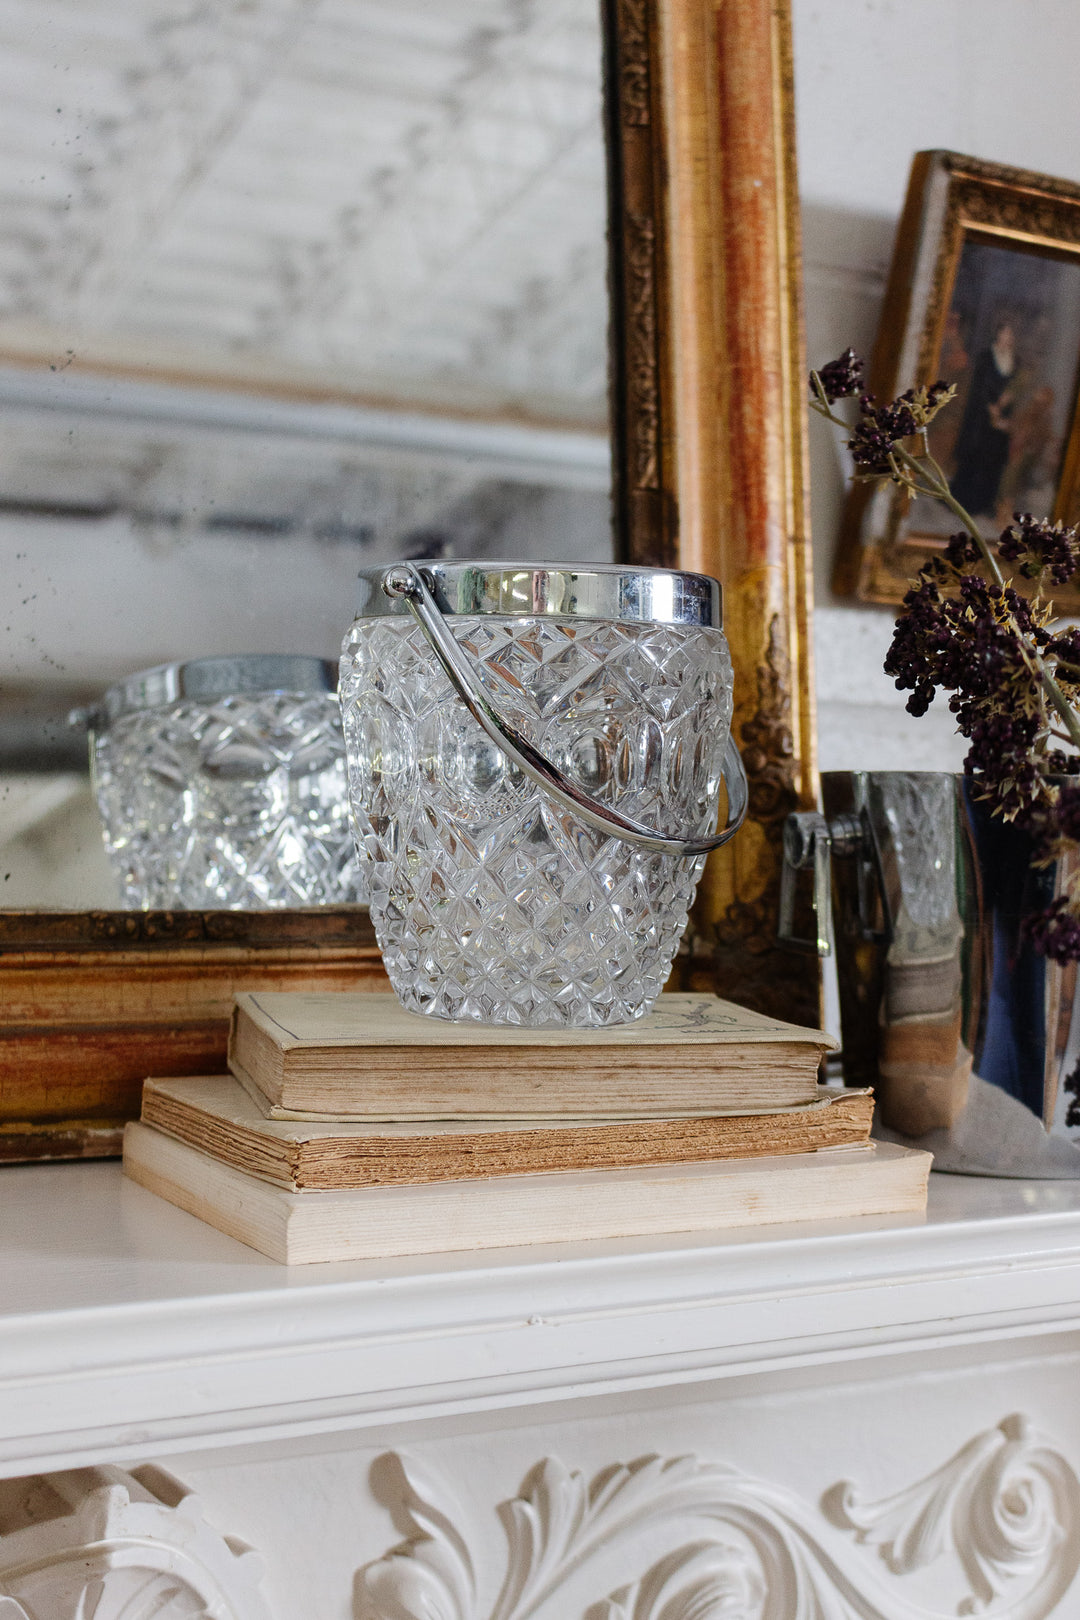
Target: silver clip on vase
(811, 840)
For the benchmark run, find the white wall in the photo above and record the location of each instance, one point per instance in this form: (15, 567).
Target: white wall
(876, 81)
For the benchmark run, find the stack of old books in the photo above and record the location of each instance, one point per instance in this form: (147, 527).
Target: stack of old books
(349, 1128)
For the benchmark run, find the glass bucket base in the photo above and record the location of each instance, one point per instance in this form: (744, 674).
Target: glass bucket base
(516, 947)
(489, 902)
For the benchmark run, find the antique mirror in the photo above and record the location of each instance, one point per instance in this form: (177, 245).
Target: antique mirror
(288, 289)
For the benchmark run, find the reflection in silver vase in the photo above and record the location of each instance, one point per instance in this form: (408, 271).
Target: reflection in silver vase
(946, 1009)
(924, 1061)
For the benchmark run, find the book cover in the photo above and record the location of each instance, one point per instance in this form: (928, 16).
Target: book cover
(379, 1222)
(363, 1057)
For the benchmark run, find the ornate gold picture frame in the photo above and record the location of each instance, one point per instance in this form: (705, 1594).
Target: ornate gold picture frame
(709, 426)
(984, 293)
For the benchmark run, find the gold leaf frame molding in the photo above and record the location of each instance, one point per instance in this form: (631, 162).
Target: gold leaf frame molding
(709, 432)
(709, 412)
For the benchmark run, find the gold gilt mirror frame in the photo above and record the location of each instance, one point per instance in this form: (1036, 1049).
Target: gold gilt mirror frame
(709, 426)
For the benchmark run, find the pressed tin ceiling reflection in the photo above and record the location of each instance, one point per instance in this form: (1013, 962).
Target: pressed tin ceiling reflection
(404, 199)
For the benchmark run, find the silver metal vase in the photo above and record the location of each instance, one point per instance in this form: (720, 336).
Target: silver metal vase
(966, 1033)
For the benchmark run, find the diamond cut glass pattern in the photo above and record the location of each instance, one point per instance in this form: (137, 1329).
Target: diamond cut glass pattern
(490, 902)
(239, 803)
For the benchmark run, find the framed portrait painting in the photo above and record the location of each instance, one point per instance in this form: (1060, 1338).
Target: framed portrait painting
(984, 293)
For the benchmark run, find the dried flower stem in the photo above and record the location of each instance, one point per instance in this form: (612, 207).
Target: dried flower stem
(921, 475)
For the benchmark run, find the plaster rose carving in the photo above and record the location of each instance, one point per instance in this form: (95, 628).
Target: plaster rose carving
(703, 1581)
(1006, 1508)
(102, 1544)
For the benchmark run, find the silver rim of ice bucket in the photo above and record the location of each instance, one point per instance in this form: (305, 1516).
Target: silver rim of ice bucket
(558, 590)
(409, 585)
(206, 679)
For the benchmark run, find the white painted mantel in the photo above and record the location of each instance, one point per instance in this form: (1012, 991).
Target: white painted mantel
(852, 1421)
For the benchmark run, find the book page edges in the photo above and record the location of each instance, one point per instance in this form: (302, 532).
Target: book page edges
(215, 1116)
(299, 1228)
(282, 1122)
(341, 1107)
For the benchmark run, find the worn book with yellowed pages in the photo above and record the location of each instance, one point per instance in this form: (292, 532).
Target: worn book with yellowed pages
(363, 1057)
(366, 1223)
(215, 1114)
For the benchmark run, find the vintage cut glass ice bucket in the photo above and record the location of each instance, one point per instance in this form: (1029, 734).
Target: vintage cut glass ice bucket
(221, 783)
(535, 760)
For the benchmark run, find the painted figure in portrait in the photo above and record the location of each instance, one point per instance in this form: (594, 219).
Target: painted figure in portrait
(982, 445)
(1009, 341)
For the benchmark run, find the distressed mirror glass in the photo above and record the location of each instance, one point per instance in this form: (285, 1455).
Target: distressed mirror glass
(287, 288)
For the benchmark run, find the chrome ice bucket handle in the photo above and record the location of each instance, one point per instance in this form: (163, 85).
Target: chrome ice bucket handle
(407, 582)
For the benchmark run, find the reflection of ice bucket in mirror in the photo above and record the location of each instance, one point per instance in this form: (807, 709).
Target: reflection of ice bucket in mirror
(535, 761)
(221, 784)
(960, 1026)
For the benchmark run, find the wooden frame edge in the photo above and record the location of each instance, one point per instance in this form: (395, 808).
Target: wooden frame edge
(93, 1002)
(736, 417)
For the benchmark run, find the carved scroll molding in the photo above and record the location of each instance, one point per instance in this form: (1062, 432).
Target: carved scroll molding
(680, 1539)
(749, 966)
(633, 18)
(102, 1544)
(646, 506)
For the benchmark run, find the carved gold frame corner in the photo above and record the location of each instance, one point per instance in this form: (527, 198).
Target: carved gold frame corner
(951, 200)
(709, 432)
